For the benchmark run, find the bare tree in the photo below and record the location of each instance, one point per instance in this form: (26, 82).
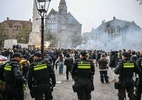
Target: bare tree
(140, 2)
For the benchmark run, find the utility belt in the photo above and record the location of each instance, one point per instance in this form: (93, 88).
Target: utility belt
(33, 90)
(12, 83)
(126, 83)
(84, 78)
(43, 85)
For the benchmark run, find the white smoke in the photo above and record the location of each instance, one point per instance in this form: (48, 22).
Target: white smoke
(128, 41)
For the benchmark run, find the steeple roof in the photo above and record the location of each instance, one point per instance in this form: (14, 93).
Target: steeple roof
(63, 2)
(63, 7)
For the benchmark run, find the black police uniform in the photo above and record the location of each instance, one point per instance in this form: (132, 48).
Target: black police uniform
(82, 72)
(41, 79)
(138, 90)
(125, 69)
(13, 79)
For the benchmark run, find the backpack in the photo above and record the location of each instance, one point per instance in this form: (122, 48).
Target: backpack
(26, 66)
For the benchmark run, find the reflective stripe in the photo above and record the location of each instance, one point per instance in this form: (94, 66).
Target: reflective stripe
(83, 65)
(40, 67)
(128, 65)
(7, 67)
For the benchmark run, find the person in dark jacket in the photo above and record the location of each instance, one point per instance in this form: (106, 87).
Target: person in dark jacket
(125, 69)
(49, 58)
(103, 69)
(98, 56)
(13, 79)
(112, 64)
(134, 56)
(69, 63)
(82, 73)
(41, 78)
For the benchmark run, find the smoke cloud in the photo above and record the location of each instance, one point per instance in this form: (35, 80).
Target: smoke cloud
(128, 41)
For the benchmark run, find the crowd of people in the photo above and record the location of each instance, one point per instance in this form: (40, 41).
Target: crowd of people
(27, 69)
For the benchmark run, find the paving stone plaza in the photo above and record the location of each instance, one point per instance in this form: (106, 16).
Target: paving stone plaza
(63, 89)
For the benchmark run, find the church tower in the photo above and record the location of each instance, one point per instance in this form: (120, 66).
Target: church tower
(63, 25)
(62, 7)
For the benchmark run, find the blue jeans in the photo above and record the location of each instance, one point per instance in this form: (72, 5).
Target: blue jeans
(61, 66)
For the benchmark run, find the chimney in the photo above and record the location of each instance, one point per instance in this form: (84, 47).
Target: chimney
(103, 21)
(30, 20)
(114, 18)
(7, 18)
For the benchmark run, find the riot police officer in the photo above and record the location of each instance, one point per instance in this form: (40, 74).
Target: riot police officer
(13, 79)
(41, 78)
(82, 72)
(138, 90)
(125, 69)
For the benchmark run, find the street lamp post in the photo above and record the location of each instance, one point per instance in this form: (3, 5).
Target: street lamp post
(42, 7)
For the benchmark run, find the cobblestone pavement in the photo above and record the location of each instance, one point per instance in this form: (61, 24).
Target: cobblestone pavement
(63, 89)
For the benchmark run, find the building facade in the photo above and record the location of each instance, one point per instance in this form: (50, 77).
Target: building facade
(117, 34)
(16, 29)
(63, 26)
(115, 28)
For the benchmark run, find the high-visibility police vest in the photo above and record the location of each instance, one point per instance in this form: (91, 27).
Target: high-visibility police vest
(84, 69)
(84, 65)
(40, 72)
(128, 65)
(128, 69)
(40, 66)
(8, 74)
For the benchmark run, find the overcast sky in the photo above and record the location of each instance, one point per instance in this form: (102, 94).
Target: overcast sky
(89, 13)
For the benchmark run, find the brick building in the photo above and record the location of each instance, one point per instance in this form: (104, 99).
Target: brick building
(16, 29)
